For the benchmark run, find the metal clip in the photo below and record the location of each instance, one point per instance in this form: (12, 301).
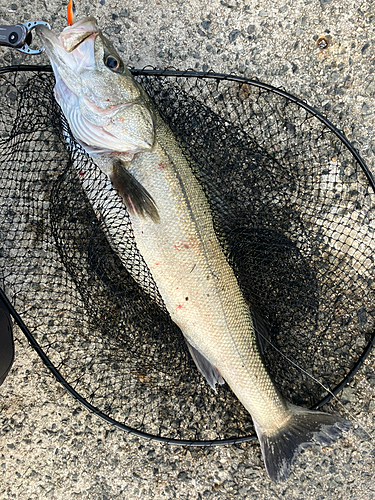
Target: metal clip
(29, 27)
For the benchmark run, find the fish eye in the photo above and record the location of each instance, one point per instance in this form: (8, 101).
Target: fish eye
(113, 63)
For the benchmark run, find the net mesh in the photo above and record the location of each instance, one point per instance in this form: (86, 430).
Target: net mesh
(292, 207)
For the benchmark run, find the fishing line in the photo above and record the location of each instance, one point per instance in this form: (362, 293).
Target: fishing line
(371, 438)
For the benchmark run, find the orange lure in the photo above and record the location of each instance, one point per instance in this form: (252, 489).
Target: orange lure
(71, 14)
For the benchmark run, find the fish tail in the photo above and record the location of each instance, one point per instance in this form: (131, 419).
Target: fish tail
(305, 428)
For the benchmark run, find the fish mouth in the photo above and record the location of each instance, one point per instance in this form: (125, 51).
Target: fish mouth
(71, 36)
(70, 54)
(73, 51)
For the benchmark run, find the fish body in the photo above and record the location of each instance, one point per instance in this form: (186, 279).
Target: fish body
(199, 288)
(113, 118)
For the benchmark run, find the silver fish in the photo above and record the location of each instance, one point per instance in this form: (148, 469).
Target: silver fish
(112, 117)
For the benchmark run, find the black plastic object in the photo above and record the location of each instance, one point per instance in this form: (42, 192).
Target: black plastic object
(6, 342)
(293, 204)
(13, 36)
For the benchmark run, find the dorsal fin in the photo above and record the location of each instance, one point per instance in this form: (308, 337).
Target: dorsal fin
(260, 328)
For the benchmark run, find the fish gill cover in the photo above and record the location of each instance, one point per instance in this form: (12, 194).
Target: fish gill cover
(293, 209)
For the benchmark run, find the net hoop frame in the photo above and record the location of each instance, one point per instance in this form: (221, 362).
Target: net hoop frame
(199, 75)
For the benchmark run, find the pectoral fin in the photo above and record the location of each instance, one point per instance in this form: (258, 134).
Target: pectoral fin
(135, 197)
(210, 373)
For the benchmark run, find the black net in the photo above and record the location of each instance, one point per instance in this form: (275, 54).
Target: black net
(292, 206)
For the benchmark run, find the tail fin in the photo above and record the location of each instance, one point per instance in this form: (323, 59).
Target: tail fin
(305, 428)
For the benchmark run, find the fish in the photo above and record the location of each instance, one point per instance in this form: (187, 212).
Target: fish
(114, 120)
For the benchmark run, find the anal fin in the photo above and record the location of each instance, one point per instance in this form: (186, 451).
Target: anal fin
(209, 372)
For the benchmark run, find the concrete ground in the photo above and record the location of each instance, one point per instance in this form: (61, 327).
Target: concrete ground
(50, 447)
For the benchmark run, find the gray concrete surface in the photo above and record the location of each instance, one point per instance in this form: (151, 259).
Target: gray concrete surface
(52, 448)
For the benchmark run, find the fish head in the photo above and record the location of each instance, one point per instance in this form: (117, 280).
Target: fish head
(88, 63)
(105, 108)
